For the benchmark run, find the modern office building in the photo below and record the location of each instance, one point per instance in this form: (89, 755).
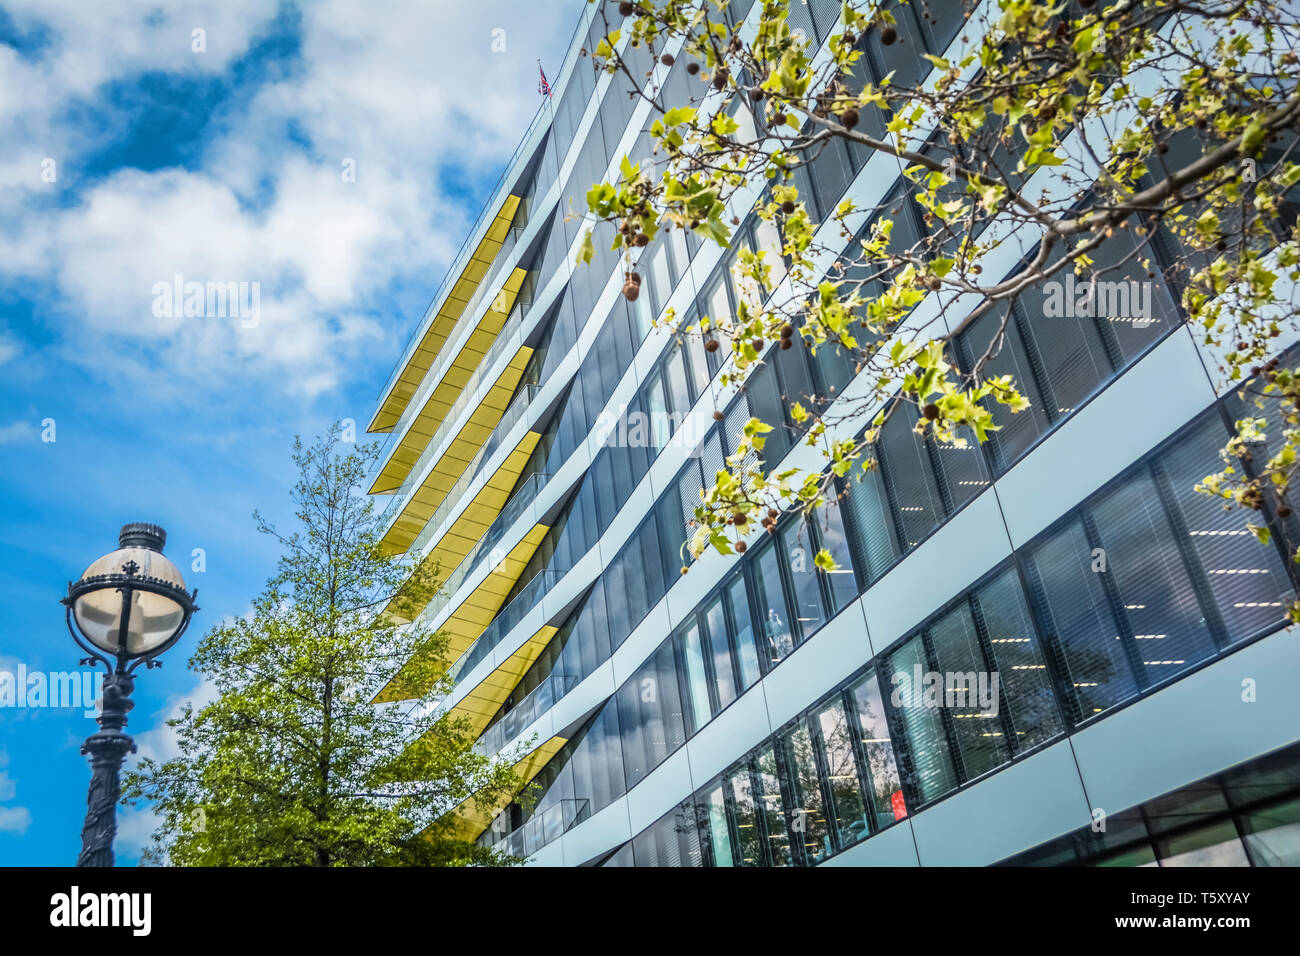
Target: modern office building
(547, 446)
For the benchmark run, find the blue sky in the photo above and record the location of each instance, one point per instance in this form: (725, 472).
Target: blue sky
(220, 164)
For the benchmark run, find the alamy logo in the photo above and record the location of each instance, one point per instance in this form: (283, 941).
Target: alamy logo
(952, 689)
(208, 300)
(1117, 299)
(73, 689)
(133, 910)
(655, 429)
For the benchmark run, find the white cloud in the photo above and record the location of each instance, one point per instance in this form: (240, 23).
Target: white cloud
(16, 432)
(13, 820)
(411, 91)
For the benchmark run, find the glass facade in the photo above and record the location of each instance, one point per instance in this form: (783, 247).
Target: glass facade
(1249, 815)
(1140, 582)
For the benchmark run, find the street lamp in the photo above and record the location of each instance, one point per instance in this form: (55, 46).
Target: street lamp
(127, 608)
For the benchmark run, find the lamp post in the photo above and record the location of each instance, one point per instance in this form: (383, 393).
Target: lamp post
(126, 609)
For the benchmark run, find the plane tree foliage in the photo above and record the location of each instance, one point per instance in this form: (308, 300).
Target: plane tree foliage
(1057, 127)
(291, 762)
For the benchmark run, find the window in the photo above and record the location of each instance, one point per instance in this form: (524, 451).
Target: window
(809, 609)
(1068, 348)
(841, 583)
(724, 678)
(920, 717)
(1017, 653)
(1079, 622)
(884, 790)
(771, 807)
(598, 762)
(650, 712)
(672, 840)
(909, 476)
(846, 806)
(747, 658)
(808, 824)
(1247, 580)
(777, 638)
(1018, 431)
(750, 832)
(970, 702)
(875, 537)
(714, 811)
(1170, 632)
(695, 676)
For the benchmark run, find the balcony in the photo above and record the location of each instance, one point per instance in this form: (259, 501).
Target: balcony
(453, 463)
(443, 393)
(517, 504)
(505, 621)
(519, 718)
(546, 827)
(509, 336)
(426, 345)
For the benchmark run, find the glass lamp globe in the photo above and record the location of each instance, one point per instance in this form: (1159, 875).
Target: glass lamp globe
(154, 615)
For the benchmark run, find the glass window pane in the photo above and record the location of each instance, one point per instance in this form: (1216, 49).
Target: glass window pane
(719, 831)
(679, 393)
(1135, 309)
(717, 306)
(1250, 586)
(800, 558)
(697, 679)
(656, 405)
(922, 724)
(1273, 835)
(724, 678)
(749, 832)
(746, 647)
(1078, 618)
(777, 638)
(906, 466)
(1018, 657)
(1016, 432)
(1069, 347)
(1169, 628)
(769, 239)
(767, 795)
(968, 693)
(846, 802)
(808, 824)
(831, 535)
(1215, 845)
(886, 792)
(875, 538)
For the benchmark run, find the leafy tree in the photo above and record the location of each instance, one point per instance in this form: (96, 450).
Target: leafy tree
(1060, 127)
(292, 764)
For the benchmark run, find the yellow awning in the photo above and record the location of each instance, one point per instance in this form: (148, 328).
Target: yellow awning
(440, 401)
(420, 505)
(421, 358)
(475, 613)
(469, 819)
(481, 703)
(449, 550)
